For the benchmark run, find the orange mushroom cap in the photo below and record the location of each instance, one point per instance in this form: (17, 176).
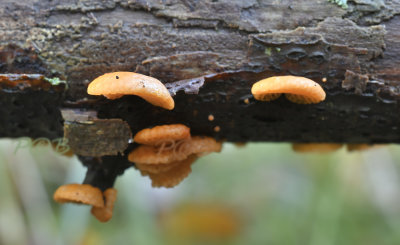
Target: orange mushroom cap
(299, 90)
(117, 84)
(105, 214)
(79, 193)
(316, 147)
(158, 134)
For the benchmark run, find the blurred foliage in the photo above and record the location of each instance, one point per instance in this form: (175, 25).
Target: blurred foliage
(257, 194)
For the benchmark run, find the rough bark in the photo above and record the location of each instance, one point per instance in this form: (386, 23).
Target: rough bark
(209, 53)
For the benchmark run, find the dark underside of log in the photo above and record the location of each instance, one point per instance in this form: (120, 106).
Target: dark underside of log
(208, 54)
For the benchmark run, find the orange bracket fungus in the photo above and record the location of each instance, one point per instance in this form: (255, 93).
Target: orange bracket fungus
(198, 145)
(105, 213)
(79, 193)
(299, 90)
(168, 165)
(161, 134)
(117, 84)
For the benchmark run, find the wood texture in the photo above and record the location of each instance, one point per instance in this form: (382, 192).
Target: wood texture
(208, 54)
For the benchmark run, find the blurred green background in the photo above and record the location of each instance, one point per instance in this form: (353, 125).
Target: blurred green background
(257, 194)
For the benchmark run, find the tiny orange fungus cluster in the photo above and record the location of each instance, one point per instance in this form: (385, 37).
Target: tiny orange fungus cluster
(167, 152)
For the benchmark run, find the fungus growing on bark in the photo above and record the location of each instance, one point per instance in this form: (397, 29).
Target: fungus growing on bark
(105, 213)
(168, 166)
(167, 153)
(146, 154)
(159, 134)
(79, 193)
(117, 84)
(299, 90)
(315, 147)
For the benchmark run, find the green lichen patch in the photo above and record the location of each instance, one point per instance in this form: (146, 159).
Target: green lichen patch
(55, 81)
(19, 82)
(341, 3)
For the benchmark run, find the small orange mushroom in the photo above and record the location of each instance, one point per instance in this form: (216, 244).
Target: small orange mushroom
(117, 84)
(299, 90)
(79, 193)
(105, 213)
(315, 147)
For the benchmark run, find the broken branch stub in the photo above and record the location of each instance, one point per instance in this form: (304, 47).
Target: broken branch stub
(99, 137)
